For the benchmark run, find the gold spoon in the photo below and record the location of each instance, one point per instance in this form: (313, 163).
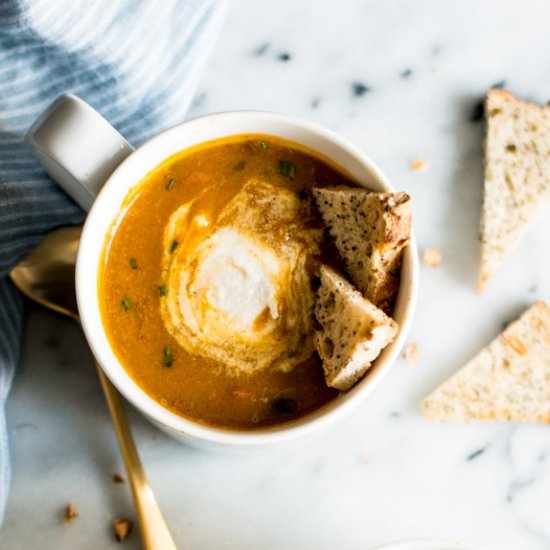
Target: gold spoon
(46, 276)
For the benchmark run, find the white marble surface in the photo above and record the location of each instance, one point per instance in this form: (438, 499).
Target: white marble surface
(486, 483)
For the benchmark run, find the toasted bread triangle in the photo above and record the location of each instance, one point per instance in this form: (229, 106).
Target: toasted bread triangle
(517, 176)
(353, 330)
(370, 231)
(507, 380)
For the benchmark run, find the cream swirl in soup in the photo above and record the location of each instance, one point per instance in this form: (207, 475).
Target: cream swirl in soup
(239, 286)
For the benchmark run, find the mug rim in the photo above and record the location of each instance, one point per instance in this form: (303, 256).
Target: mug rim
(88, 302)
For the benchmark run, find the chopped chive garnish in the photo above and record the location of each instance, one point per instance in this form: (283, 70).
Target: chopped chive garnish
(163, 291)
(239, 166)
(168, 357)
(287, 169)
(170, 184)
(127, 304)
(173, 246)
(133, 263)
(263, 146)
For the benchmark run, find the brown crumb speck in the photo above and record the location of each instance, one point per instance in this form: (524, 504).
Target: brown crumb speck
(412, 353)
(122, 529)
(70, 513)
(419, 165)
(432, 257)
(117, 478)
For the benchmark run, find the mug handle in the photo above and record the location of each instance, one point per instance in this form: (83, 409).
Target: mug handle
(77, 147)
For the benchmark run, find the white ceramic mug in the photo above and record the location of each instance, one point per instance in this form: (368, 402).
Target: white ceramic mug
(94, 164)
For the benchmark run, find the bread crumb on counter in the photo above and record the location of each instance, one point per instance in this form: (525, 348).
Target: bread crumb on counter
(419, 165)
(117, 478)
(365, 458)
(71, 513)
(432, 257)
(122, 529)
(412, 353)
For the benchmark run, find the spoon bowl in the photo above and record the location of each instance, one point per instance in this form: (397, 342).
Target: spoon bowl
(46, 275)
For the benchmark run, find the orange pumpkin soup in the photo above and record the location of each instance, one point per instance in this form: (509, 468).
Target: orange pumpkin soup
(207, 283)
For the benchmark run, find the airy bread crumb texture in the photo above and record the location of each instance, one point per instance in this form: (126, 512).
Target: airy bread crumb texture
(507, 380)
(354, 331)
(517, 176)
(370, 231)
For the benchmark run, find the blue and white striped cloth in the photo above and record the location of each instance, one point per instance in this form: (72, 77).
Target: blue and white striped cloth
(135, 61)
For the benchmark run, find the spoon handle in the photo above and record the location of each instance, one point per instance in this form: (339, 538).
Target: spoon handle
(154, 531)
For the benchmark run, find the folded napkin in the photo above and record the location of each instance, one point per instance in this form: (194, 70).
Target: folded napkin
(135, 61)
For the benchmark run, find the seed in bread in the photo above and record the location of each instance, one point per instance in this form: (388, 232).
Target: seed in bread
(354, 331)
(517, 176)
(508, 380)
(370, 231)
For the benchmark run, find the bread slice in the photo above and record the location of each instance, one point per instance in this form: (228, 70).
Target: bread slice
(508, 380)
(370, 231)
(517, 176)
(354, 331)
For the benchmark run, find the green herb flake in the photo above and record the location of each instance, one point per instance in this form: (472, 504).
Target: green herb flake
(173, 246)
(167, 357)
(239, 167)
(163, 291)
(170, 184)
(263, 146)
(287, 169)
(127, 304)
(133, 263)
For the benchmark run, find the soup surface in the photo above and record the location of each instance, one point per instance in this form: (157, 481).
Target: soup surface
(207, 285)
